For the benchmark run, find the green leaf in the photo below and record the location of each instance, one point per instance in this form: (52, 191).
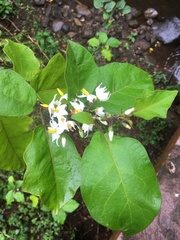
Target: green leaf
(46, 81)
(113, 42)
(10, 179)
(154, 103)
(35, 200)
(120, 4)
(17, 97)
(83, 117)
(19, 197)
(119, 185)
(107, 54)
(9, 197)
(15, 136)
(102, 37)
(53, 173)
(98, 4)
(71, 206)
(81, 70)
(59, 217)
(109, 6)
(126, 83)
(24, 61)
(127, 9)
(94, 42)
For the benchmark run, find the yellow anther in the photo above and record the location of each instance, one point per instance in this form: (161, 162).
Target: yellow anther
(51, 130)
(60, 92)
(44, 105)
(85, 91)
(55, 109)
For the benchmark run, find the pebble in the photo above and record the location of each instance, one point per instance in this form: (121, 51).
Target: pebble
(150, 13)
(134, 23)
(39, 2)
(57, 25)
(82, 10)
(87, 31)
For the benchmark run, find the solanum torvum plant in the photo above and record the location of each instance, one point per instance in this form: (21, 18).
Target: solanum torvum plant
(75, 97)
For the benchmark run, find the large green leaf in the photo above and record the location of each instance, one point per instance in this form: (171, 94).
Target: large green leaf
(125, 83)
(23, 59)
(17, 97)
(46, 81)
(81, 70)
(154, 103)
(119, 185)
(15, 136)
(53, 172)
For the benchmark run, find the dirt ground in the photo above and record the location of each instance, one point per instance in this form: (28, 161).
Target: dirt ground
(166, 226)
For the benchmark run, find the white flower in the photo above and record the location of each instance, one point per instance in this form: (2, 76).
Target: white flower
(129, 111)
(62, 124)
(111, 134)
(101, 93)
(56, 129)
(57, 109)
(90, 97)
(86, 128)
(77, 105)
(53, 129)
(100, 111)
(71, 125)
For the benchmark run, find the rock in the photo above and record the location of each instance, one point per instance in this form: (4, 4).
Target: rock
(57, 25)
(77, 22)
(150, 13)
(82, 10)
(66, 27)
(134, 23)
(38, 2)
(168, 31)
(87, 31)
(143, 45)
(150, 21)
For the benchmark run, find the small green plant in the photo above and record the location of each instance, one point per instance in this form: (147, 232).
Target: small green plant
(102, 42)
(151, 132)
(108, 7)
(47, 43)
(126, 46)
(132, 36)
(159, 78)
(28, 217)
(5, 8)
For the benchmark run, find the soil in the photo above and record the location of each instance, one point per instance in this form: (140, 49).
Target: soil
(80, 27)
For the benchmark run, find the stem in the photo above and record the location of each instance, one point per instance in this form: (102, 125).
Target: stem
(118, 235)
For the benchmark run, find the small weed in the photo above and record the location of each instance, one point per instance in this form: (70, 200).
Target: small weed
(47, 43)
(152, 132)
(159, 78)
(126, 46)
(5, 8)
(23, 217)
(108, 7)
(132, 36)
(104, 44)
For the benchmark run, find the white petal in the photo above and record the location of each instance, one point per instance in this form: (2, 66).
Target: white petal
(129, 111)
(111, 134)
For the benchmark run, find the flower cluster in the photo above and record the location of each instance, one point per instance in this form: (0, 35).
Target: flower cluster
(60, 117)
(58, 111)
